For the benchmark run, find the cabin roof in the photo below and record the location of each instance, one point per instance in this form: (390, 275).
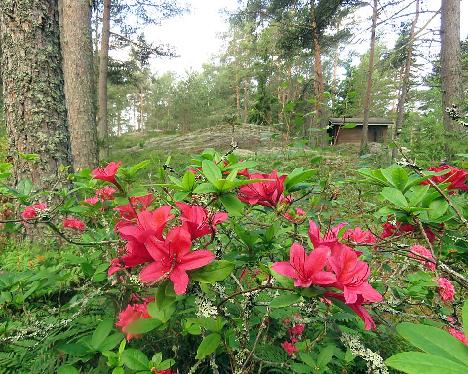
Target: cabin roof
(373, 121)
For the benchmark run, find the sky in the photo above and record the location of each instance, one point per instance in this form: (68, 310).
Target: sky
(195, 35)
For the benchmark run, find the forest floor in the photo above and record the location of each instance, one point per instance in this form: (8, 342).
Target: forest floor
(266, 145)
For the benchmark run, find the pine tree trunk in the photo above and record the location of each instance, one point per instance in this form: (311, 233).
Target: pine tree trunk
(246, 101)
(35, 109)
(77, 51)
(318, 120)
(367, 98)
(103, 128)
(450, 62)
(404, 87)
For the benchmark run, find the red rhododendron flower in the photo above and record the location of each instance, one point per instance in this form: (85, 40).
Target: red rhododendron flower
(358, 308)
(329, 239)
(458, 335)
(75, 224)
(31, 211)
(290, 348)
(359, 236)
(420, 253)
(197, 221)
(149, 223)
(92, 200)
(167, 371)
(173, 258)
(137, 204)
(130, 314)
(266, 193)
(399, 228)
(297, 329)
(445, 289)
(107, 173)
(351, 275)
(306, 269)
(455, 177)
(106, 193)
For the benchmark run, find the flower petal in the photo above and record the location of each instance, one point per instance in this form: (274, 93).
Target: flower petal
(180, 279)
(195, 259)
(284, 268)
(153, 272)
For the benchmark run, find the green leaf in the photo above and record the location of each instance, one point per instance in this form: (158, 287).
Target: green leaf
(298, 175)
(434, 341)
(418, 363)
(111, 342)
(232, 204)
(74, 349)
(135, 359)
(396, 176)
(188, 181)
(416, 194)
(437, 208)
(395, 196)
(208, 345)
(162, 314)
(308, 359)
(205, 188)
(214, 272)
(211, 171)
(101, 333)
(325, 355)
(142, 325)
(285, 300)
(67, 369)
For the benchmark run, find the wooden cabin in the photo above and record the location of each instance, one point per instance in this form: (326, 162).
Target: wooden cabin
(348, 130)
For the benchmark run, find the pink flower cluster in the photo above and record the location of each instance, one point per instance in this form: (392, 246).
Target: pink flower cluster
(132, 313)
(167, 256)
(30, 212)
(455, 177)
(422, 255)
(399, 228)
(333, 265)
(445, 289)
(74, 224)
(295, 332)
(267, 193)
(458, 335)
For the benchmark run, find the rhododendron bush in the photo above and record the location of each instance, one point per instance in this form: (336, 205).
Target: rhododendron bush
(223, 268)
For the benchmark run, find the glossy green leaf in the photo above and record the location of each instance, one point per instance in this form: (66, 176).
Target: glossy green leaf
(134, 359)
(232, 204)
(424, 363)
(208, 345)
(101, 333)
(143, 325)
(285, 300)
(214, 272)
(434, 341)
(211, 171)
(395, 196)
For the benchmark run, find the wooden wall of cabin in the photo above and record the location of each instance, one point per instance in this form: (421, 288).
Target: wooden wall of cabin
(376, 134)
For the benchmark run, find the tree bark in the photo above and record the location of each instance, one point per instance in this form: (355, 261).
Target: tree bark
(367, 98)
(35, 109)
(404, 87)
(316, 121)
(103, 129)
(77, 51)
(450, 62)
